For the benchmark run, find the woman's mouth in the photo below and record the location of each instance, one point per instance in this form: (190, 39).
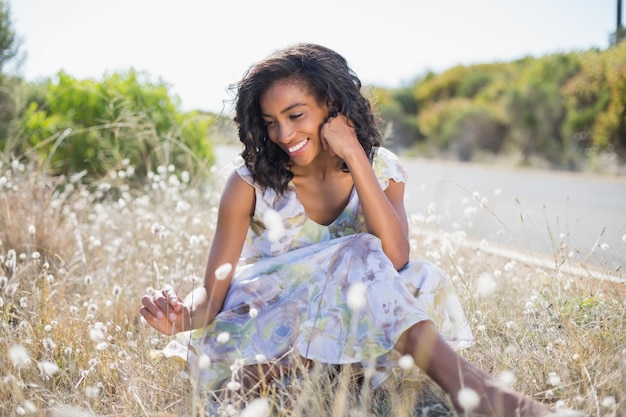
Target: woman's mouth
(295, 148)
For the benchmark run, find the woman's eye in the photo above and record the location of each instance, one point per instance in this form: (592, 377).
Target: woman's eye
(295, 116)
(268, 122)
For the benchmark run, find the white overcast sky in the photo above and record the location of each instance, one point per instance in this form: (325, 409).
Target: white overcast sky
(200, 47)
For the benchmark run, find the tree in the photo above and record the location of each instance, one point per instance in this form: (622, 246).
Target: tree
(9, 41)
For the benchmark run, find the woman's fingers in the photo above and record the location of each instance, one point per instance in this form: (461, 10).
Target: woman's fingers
(163, 310)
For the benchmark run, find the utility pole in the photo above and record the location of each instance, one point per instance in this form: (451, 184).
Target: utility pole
(620, 32)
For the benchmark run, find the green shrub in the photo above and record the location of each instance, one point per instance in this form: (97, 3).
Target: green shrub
(96, 126)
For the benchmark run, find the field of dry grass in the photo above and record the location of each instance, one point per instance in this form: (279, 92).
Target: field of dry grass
(75, 261)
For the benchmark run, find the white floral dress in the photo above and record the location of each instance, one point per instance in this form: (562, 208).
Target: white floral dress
(294, 290)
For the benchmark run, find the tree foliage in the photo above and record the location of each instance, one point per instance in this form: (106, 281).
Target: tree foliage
(94, 126)
(559, 107)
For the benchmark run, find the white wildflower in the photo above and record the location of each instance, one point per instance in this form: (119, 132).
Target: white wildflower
(30, 407)
(604, 246)
(507, 378)
(204, 361)
(31, 229)
(48, 369)
(117, 290)
(96, 335)
(223, 338)
(102, 346)
(19, 356)
(486, 285)
(260, 358)
(233, 386)
(468, 399)
(92, 391)
(554, 379)
(406, 362)
(274, 223)
(253, 312)
(223, 271)
(259, 407)
(609, 402)
(356, 297)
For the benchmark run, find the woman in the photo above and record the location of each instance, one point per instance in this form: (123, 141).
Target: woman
(314, 219)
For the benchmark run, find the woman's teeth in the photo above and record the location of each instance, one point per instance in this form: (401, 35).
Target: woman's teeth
(298, 146)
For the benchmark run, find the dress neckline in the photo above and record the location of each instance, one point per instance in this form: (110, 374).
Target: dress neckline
(308, 218)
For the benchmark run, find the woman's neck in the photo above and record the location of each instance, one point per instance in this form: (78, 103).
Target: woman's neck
(320, 168)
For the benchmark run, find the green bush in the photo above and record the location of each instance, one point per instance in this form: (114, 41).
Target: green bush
(461, 126)
(97, 126)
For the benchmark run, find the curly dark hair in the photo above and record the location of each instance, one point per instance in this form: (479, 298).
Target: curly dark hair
(325, 75)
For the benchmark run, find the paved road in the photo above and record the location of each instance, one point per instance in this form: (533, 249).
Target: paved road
(525, 210)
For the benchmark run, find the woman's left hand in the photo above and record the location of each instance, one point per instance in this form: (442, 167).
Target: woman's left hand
(339, 137)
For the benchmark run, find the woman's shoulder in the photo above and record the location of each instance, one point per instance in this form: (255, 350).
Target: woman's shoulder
(388, 166)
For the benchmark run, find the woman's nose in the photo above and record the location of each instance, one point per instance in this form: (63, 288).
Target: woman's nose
(285, 132)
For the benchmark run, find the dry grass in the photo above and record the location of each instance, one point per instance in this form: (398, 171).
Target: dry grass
(74, 263)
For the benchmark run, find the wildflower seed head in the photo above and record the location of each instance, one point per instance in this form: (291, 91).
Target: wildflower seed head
(223, 338)
(48, 344)
(406, 362)
(223, 271)
(10, 290)
(48, 369)
(486, 285)
(468, 399)
(204, 361)
(357, 296)
(92, 391)
(554, 379)
(507, 378)
(274, 223)
(96, 335)
(609, 402)
(259, 407)
(31, 229)
(117, 290)
(253, 312)
(19, 356)
(233, 386)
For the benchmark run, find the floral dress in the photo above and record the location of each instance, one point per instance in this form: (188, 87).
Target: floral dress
(322, 292)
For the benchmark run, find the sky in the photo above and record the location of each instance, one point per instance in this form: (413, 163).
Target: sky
(201, 47)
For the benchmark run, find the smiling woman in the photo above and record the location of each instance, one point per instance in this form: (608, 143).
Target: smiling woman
(313, 216)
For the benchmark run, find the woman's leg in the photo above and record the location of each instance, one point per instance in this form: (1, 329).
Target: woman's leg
(452, 372)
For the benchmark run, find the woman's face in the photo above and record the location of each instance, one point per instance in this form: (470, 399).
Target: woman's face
(293, 119)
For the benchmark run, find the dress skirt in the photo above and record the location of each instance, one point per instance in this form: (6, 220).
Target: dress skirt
(339, 301)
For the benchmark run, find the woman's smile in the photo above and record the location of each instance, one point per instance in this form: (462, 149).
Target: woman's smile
(298, 146)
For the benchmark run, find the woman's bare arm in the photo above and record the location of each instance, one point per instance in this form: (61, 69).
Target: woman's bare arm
(168, 313)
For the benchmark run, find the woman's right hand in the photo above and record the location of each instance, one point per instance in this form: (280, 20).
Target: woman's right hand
(165, 311)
